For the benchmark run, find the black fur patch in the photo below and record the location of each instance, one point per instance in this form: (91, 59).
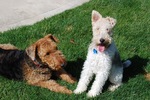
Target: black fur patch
(10, 63)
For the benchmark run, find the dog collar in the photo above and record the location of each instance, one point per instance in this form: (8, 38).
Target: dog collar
(95, 51)
(37, 63)
(33, 63)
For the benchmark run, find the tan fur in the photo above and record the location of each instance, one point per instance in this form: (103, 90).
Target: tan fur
(51, 59)
(147, 75)
(7, 46)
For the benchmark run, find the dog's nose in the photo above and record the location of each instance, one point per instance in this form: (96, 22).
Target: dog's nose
(63, 64)
(102, 40)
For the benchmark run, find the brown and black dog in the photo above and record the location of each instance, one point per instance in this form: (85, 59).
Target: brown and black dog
(36, 64)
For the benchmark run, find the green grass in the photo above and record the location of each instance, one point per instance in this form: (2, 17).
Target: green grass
(131, 34)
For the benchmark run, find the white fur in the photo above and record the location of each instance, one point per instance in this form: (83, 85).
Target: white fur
(104, 65)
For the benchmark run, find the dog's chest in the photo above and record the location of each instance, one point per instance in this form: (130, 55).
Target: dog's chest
(99, 61)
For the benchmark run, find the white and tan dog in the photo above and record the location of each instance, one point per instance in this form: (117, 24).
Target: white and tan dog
(103, 59)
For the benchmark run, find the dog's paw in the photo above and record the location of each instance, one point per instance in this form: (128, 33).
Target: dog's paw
(91, 94)
(147, 75)
(113, 87)
(78, 91)
(68, 92)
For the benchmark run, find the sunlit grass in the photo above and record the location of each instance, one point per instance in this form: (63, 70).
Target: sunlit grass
(73, 28)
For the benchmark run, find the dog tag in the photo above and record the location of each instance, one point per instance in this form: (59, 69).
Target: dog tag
(94, 51)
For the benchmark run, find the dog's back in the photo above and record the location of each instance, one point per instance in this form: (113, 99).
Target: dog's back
(8, 46)
(10, 61)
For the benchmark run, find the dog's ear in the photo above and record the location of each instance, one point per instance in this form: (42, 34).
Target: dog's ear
(112, 21)
(53, 38)
(96, 16)
(31, 51)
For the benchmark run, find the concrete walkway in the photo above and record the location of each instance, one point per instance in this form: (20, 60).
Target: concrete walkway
(14, 13)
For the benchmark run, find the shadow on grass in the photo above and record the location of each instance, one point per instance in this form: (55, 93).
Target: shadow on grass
(136, 68)
(75, 67)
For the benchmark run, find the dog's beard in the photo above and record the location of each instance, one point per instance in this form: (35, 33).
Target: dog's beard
(101, 46)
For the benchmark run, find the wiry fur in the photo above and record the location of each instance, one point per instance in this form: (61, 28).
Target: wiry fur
(103, 64)
(36, 64)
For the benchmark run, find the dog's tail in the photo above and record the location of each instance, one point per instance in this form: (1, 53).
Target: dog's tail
(126, 64)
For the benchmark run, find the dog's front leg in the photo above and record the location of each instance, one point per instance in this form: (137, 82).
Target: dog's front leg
(98, 84)
(53, 86)
(85, 78)
(65, 76)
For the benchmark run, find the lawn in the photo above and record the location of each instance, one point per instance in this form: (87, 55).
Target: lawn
(73, 28)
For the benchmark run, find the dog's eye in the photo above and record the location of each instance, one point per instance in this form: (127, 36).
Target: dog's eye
(107, 30)
(47, 53)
